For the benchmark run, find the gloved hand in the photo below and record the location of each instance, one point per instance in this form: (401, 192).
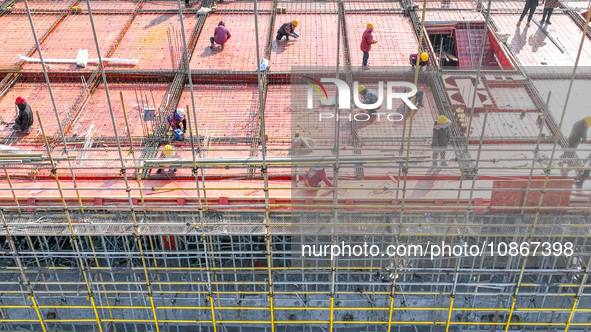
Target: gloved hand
(293, 34)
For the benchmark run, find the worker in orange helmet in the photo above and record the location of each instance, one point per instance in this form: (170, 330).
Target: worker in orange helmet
(288, 30)
(424, 59)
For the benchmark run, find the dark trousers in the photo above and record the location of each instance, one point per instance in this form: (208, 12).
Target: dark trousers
(531, 6)
(365, 58)
(441, 152)
(547, 11)
(211, 39)
(583, 177)
(281, 34)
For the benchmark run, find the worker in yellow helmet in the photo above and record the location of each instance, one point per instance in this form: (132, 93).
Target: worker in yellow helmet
(577, 135)
(288, 30)
(369, 97)
(440, 139)
(366, 41)
(423, 59)
(168, 153)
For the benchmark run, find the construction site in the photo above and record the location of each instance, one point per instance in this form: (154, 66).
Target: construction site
(113, 220)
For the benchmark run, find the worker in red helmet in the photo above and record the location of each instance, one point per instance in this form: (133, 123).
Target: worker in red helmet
(24, 119)
(221, 34)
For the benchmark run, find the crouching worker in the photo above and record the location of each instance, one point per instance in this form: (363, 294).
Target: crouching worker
(168, 153)
(24, 118)
(221, 34)
(424, 59)
(370, 97)
(176, 119)
(314, 176)
(287, 30)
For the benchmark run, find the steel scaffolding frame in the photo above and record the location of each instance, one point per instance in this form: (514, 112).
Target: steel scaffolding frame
(134, 263)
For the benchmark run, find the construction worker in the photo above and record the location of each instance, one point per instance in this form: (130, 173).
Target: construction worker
(577, 135)
(440, 139)
(549, 6)
(221, 34)
(366, 42)
(168, 153)
(314, 176)
(24, 118)
(287, 30)
(369, 97)
(418, 96)
(176, 119)
(422, 62)
(530, 5)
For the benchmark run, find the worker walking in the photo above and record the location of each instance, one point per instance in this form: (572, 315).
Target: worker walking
(168, 153)
(549, 6)
(440, 139)
(369, 97)
(530, 5)
(175, 120)
(221, 34)
(424, 59)
(366, 42)
(577, 135)
(287, 30)
(24, 118)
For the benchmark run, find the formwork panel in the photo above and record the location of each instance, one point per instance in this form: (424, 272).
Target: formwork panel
(317, 45)
(16, 37)
(37, 96)
(394, 33)
(244, 6)
(147, 40)
(75, 33)
(239, 53)
(169, 5)
(507, 125)
(446, 4)
(135, 97)
(532, 46)
(309, 7)
(110, 6)
(451, 16)
(371, 5)
(45, 5)
(226, 113)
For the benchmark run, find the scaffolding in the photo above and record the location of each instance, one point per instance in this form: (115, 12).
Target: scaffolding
(93, 238)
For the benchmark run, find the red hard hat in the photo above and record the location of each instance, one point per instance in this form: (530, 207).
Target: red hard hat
(222, 23)
(19, 100)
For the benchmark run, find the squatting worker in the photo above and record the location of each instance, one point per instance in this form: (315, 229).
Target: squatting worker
(288, 29)
(221, 34)
(24, 118)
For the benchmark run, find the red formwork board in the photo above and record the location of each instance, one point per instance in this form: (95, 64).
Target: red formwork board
(446, 4)
(45, 5)
(16, 37)
(109, 6)
(316, 47)
(225, 113)
(496, 159)
(509, 6)
(370, 5)
(468, 46)
(239, 53)
(95, 118)
(169, 5)
(532, 47)
(243, 6)
(557, 195)
(309, 7)
(507, 125)
(147, 40)
(75, 33)
(38, 97)
(444, 16)
(394, 33)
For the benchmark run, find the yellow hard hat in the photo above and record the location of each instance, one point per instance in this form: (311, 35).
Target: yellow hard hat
(424, 56)
(295, 23)
(369, 25)
(168, 150)
(361, 88)
(442, 119)
(588, 120)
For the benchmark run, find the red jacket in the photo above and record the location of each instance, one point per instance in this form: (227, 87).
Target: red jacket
(367, 40)
(221, 35)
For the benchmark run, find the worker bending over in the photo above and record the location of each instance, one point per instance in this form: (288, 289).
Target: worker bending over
(287, 30)
(168, 153)
(422, 61)
(175, 120)
(314, 176)
(24, 118)
(221, 34)
(369, 97)
(577, 135)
